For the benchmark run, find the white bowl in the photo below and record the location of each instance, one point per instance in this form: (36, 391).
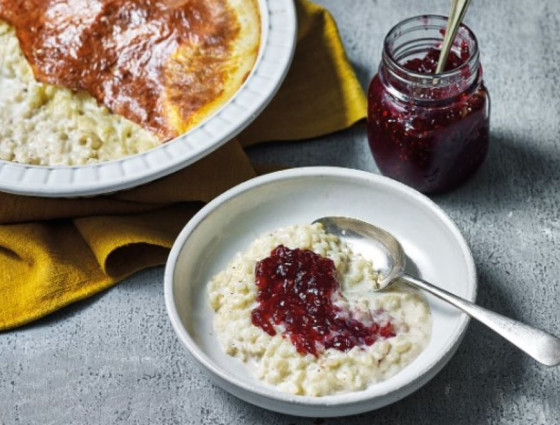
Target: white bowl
(278, 37)
(229, 224)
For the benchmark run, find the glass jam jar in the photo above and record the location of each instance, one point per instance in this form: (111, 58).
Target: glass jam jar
(429, 131)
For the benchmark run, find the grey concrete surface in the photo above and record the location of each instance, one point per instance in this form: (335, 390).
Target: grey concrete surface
(114, 358)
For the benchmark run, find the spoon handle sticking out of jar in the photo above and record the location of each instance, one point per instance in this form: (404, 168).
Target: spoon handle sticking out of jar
(456, 15)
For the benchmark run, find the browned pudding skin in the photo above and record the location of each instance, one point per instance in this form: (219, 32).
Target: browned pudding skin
(123, 52)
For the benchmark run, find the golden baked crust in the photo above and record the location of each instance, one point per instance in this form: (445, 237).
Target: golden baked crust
(163, 64)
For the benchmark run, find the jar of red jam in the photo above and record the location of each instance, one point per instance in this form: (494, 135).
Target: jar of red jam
(427, 130)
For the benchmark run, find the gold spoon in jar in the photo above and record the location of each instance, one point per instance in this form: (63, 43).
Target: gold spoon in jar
(456, 15)
(387, 255)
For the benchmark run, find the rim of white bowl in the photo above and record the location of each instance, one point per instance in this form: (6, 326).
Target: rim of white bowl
(278, 41)
(347, 399)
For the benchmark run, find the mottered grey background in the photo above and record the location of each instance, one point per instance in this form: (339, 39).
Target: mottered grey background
(115, 359)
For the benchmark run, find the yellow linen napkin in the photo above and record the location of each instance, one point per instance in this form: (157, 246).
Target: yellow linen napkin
(57, 251)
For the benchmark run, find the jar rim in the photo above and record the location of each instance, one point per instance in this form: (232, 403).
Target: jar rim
(471, 62)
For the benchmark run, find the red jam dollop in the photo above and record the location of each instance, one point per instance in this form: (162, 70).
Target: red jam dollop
(436, 141)
(297, 290)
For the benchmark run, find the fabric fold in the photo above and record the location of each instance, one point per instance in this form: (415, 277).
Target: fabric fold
(133, 242)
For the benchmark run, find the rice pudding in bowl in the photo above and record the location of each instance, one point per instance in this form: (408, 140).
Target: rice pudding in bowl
(300, 309)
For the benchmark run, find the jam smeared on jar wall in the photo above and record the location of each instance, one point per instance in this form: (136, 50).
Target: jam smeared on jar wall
(296, 290)
(431, 134)
(126, 53)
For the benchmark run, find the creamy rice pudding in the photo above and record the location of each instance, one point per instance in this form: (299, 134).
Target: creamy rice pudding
(299, 307)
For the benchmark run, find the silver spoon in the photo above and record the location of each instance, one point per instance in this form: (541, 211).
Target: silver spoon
(456, 15)
(388, 257)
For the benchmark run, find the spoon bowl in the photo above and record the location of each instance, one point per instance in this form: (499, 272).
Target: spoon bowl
(372, 243)
(387, 256)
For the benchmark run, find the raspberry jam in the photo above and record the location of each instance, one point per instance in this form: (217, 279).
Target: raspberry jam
(428, 64)
(297, 290)
(428, 131)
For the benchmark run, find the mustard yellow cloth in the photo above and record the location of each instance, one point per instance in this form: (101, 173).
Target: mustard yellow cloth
(57, 251)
